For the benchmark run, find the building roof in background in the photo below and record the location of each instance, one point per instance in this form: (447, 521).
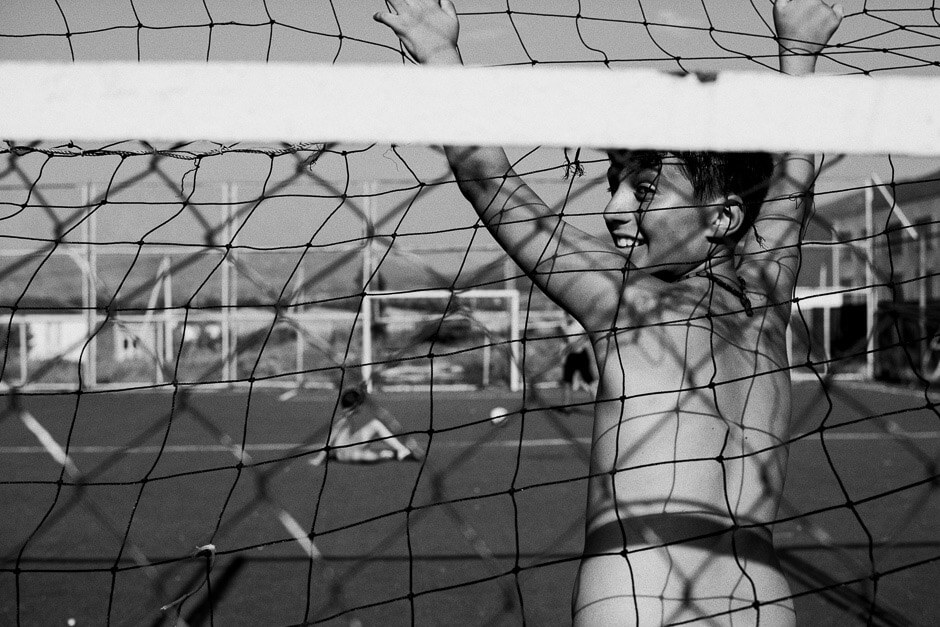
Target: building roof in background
(844, 205)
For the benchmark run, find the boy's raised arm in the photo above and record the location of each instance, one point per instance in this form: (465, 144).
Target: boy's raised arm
(803, 29)
(573, 268)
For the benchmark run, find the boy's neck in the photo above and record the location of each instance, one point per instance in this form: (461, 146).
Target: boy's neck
(721, 272)
(720, 263)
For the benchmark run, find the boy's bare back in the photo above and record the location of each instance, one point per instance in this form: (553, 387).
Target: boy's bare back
(687, 463)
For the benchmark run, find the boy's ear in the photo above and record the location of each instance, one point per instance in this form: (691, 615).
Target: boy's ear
(727, 219)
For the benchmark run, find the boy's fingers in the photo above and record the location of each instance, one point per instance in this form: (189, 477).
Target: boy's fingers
(389, 19)
(397, 5)
(449, 8)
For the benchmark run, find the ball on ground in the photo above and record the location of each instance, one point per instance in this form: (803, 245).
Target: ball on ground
(498, 415)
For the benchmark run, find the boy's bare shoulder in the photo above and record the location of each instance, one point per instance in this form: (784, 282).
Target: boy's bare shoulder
(717, 315)
(695, 314)
(680, 301)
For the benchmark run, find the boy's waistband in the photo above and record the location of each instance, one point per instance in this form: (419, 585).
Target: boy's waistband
(652, 531)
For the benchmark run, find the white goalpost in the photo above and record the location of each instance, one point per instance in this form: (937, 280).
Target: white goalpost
(490, 317)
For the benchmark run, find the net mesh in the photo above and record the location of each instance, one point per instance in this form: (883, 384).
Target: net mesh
(179, 322)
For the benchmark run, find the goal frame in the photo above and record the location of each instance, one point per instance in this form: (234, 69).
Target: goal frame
(505, 106)
(371, 297)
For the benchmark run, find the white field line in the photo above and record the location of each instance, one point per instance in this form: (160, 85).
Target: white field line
(884, 388)
(536, 443)
(49, 444)
(298, 533)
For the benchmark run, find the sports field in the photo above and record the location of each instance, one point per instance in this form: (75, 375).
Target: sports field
(486, 530)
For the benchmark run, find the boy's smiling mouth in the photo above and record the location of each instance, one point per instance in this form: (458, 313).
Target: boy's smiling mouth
(628, 241)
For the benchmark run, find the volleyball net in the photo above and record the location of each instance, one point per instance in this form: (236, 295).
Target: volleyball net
(200, 258)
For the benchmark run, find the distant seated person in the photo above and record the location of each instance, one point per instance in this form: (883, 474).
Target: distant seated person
(359, 435)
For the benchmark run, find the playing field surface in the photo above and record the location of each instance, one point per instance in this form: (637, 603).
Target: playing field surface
(486, 530)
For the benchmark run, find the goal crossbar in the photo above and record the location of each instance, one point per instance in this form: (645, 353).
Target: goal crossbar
(508, 106)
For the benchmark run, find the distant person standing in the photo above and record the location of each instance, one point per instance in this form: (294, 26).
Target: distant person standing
(935, 349)
(576, 372)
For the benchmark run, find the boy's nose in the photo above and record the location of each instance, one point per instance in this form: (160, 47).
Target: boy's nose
(621, 205)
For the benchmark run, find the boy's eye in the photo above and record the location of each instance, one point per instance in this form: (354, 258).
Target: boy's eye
(644, 191)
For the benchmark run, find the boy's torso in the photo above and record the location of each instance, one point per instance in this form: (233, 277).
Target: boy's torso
(693, 407)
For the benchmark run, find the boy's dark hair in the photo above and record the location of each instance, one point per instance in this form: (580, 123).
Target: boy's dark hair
(351, 398)
(747, 174)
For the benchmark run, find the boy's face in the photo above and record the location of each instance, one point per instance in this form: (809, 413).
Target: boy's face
(654, 217)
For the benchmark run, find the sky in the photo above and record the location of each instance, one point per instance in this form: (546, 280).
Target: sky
(670, 35)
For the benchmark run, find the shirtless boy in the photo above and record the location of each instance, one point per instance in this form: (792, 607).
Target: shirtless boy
(687, 310)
